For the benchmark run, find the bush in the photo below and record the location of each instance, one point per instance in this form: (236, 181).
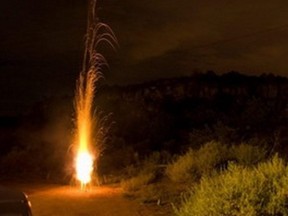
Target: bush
(240, 190)
(247, 154)
(195, 163)
(212, 157)
(184, 168)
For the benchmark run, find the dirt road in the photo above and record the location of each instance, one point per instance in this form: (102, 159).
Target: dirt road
(98, 201)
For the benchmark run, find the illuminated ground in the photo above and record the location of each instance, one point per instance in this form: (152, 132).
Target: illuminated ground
(100, 201)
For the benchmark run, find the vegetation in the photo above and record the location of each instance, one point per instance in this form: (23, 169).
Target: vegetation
(212, 156)
(260, 190)
(162, 181)
(247, 154)
(195, 163)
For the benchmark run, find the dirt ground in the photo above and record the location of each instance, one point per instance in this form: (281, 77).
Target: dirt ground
(56, 200)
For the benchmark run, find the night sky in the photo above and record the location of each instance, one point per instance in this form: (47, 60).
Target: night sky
(41, 42)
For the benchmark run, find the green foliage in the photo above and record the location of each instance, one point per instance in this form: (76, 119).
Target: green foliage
(211, 157)
(195, 163)
(240, 190)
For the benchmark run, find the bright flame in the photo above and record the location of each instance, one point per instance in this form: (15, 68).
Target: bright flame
(84, 100)
(84, 167)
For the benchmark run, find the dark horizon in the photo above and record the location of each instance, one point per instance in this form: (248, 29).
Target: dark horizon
(210, 79)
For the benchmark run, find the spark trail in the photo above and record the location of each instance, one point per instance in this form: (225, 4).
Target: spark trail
(86, 152)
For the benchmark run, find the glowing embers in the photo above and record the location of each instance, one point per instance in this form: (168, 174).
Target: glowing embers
(84, 167)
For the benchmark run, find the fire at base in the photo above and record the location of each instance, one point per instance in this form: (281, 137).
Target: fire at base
(84, 159)
(84, 167)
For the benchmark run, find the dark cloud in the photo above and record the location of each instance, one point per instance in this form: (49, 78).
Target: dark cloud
(225, 35)
(41, 42)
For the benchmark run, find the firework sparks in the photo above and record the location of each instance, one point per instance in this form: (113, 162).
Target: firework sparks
(86, 85)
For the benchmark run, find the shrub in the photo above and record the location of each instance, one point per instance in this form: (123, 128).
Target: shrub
(211, 155)
(184, 168)
(247, 154)
(240, 190)
(195, 163)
